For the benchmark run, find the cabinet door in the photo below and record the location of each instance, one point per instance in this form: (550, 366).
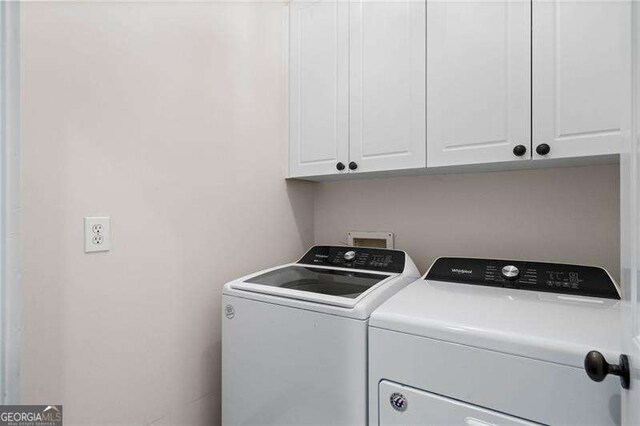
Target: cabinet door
(319, 87)
(581, 76)
(478, 81)
(387, 69)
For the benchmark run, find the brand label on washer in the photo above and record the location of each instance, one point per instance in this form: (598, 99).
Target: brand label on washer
(229, 311)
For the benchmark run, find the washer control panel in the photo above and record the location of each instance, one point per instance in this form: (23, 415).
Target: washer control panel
(356, 257)
(561, 278)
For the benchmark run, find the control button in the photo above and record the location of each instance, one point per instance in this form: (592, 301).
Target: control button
(510, 272)
(350, 255)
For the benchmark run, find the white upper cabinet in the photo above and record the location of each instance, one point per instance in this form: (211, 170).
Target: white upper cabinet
(319, 87)
(581, 77)
(478, 82)
(387, 85)
(357, 86)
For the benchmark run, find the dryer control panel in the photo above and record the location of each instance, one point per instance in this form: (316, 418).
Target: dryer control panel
(372, 259)
(577, 280)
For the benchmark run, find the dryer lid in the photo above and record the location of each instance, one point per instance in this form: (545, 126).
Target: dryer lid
(557, 328)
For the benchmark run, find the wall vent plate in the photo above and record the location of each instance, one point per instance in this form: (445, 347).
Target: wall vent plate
(376, 239)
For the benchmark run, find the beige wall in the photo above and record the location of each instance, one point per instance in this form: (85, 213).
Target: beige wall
(563, 215)
(170, 119)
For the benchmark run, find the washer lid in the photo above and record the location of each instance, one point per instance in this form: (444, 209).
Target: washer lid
(332, 282)
(330, 278)
(550, 327)
(332, 286)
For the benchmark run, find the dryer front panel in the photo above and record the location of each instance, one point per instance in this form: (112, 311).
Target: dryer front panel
(404, 406)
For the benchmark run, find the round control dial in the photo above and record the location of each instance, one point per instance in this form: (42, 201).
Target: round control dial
(398, 401)
(350, 255)
(510, 272)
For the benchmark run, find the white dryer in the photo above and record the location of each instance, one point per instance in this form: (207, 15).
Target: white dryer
(481, 342)
(294, 337)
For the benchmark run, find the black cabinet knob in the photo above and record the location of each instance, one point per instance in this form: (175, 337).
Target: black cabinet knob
(598, 368)
(353, 165)
(519, 150)
(543, 149)
(340, 166)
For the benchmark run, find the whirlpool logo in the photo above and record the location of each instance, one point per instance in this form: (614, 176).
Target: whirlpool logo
(31, 415)
(229, 311)
(461, 271)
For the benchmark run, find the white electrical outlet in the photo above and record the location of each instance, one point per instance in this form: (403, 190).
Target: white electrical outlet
(97, 234)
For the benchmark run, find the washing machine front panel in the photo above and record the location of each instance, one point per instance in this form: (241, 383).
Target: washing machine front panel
(288, 366)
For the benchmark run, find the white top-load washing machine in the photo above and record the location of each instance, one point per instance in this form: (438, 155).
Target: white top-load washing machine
(294, 337)
(481, 342)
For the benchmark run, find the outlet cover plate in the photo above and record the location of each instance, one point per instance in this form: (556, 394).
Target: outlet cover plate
(97, 234)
